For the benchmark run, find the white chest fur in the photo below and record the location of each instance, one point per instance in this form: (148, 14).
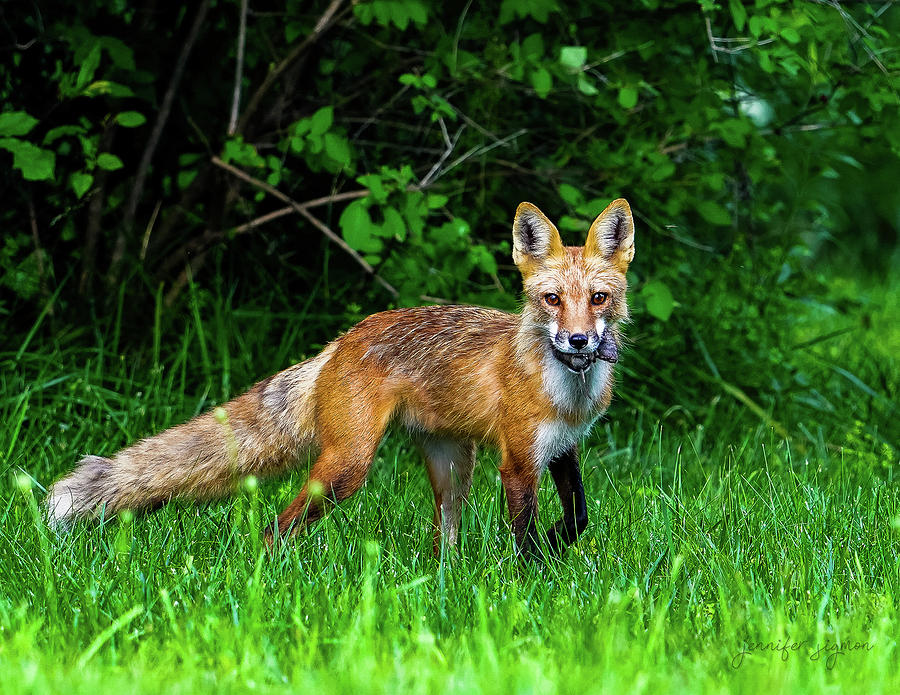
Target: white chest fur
(573, 393)
(554, 437)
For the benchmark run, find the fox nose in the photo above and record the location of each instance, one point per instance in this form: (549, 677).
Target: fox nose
(578, 340)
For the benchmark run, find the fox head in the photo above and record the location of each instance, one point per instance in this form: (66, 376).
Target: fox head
(576, 294)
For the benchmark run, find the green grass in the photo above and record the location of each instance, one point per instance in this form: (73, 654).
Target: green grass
(710, 536)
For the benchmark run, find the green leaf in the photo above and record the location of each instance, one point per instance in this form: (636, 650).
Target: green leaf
(418, 11)
(119, 52)
(296, 145)
(24, 278)
(585, 86)
(357, 228)
(539, 10)
(243, 153)
(533, 46)
(414, 211)
(659, 300)
(757, 24)
(321, 120)
(714, 180)
(542, 82)
(714, 213)
(570, 194)
(363, 13)
(573, 57)
(301, 127)
(337, 147)
(80, 182)
(571, 224)
(88, 67)
(40, 165)
(108, 161)
(662, 171)
(734, 131)
(375, 185)
(16, 123)
(292, 30)
(790, 35)
(113, 89)
(436, 200)
(187, 158)
(34, 163)
(628, 97)
(394, 226)
(185, 178)
(130, 119)
(738, 13)
(314, 143)
(483, 259)
(61, 131)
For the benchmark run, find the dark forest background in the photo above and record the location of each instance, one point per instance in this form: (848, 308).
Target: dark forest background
(276, 171)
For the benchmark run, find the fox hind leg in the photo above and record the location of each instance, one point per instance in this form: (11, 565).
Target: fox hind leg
(450, 465)
(341, 468)
(335, 476)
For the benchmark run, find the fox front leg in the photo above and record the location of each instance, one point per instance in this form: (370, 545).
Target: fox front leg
(520, 483)
(567, 477)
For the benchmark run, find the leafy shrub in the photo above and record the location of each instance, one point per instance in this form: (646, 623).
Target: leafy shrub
(745, 135)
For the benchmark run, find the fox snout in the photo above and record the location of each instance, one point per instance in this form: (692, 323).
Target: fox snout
(579, 350)
(566, 341)
(578, 340)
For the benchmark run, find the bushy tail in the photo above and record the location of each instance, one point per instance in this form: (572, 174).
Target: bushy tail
(262, 432)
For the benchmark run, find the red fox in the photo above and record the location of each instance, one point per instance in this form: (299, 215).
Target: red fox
(531, 384)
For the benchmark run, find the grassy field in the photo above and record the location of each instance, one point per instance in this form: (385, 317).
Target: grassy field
(721, 555)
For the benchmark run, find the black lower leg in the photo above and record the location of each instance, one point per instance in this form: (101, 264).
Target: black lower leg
(524, 526)
(521, 499)
(567, 477)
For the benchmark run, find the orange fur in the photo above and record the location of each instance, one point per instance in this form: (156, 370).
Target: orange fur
(454, 376)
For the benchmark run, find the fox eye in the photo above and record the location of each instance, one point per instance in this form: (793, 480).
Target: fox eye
(599, 298)
(552, 299)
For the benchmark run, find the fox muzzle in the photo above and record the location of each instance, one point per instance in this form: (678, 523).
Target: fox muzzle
(607, 351)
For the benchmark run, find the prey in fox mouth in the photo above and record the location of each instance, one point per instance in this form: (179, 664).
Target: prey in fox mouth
(578, 352)
(579, 362)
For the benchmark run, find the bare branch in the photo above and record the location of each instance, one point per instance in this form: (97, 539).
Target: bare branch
(325, 21)
(478, 151)
(321, 226)
(190, 267)
(144, 166)
(149, 229)
(451, 144)
(262, 219)
(238, 69)
(210, 237)
(39, 256)
(712, 40)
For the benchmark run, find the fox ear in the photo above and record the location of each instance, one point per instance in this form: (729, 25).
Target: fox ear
(535, 238)
(612, 234)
